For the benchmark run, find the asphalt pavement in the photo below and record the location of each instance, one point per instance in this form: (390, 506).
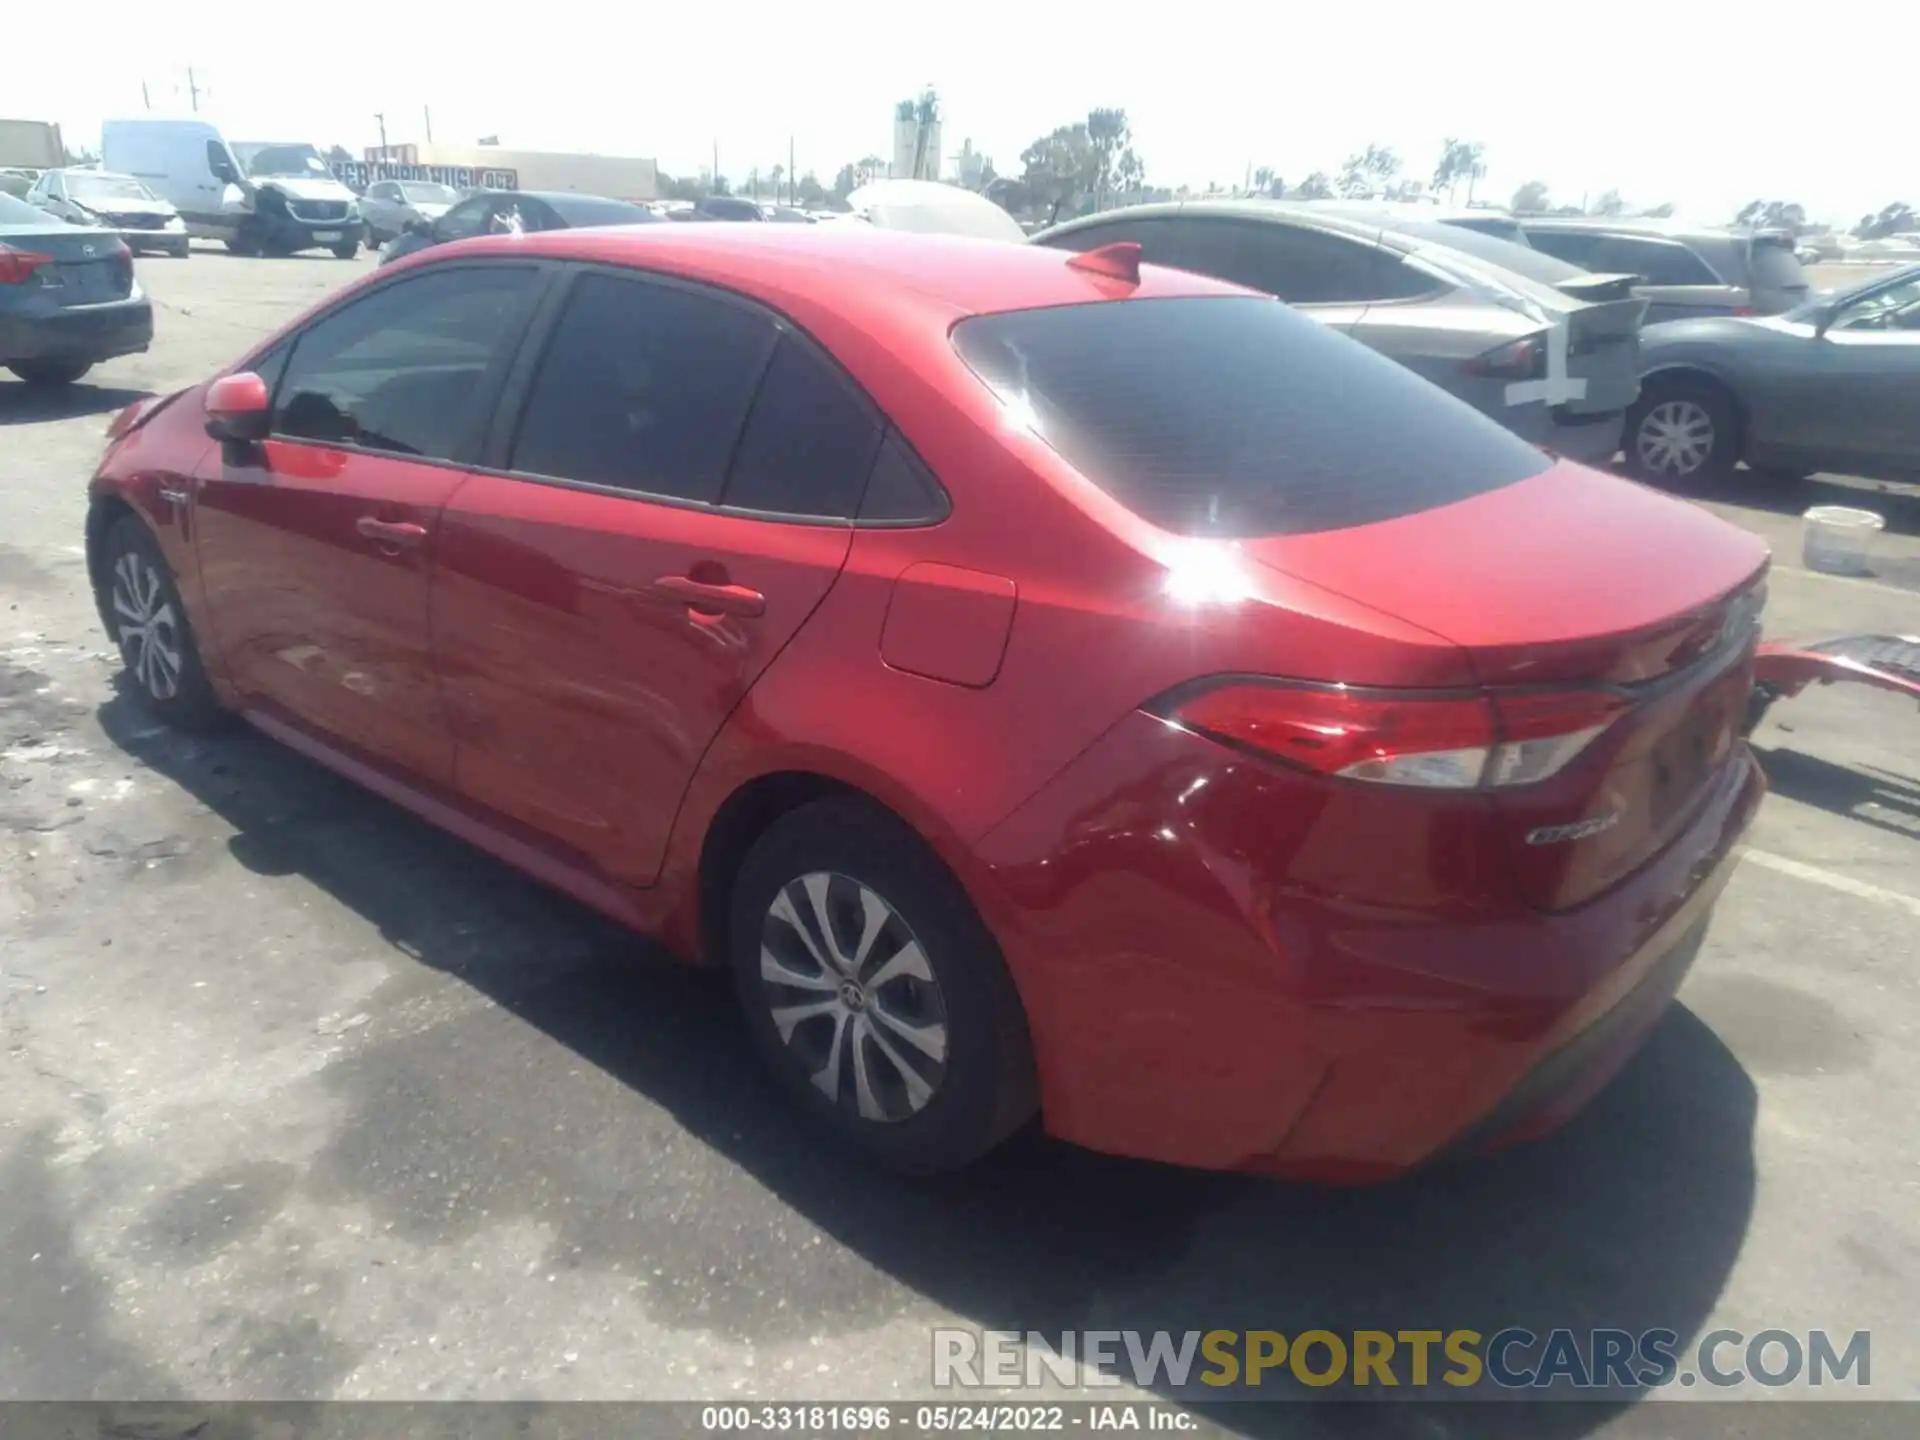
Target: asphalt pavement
(302, 1099)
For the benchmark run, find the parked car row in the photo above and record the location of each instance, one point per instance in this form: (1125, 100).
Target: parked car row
(1057, 688)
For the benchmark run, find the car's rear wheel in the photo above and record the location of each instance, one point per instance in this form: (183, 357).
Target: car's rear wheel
(50, 372)
(1681, 432)
(149, 625)
(874, 992)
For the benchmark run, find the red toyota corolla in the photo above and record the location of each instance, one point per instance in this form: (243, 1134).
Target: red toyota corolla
(1056, 688)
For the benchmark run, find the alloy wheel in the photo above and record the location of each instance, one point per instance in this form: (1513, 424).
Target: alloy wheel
(149, 630)
(852, 997)
(1675, 438)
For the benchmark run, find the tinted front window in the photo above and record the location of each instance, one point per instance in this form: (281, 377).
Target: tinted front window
(401, 370)
(643, 387)
(808, 443)
(1232, 417)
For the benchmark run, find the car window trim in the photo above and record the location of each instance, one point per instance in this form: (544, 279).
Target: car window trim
(510, 403)
(491, 384)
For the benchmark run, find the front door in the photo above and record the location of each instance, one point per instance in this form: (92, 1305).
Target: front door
(1869, 366)
(316, 546)
(674, 506)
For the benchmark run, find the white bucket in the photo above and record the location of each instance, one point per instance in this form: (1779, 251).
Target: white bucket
(1835, 539)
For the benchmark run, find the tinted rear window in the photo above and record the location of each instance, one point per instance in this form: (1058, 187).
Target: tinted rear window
(1776, 267)
(1238, 417)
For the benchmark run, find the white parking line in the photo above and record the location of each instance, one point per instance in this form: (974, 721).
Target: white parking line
(1845, 884)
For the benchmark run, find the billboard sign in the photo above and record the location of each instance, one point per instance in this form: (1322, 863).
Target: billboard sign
(356, 175)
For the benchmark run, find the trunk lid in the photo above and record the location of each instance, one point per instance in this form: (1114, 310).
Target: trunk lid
(89, 268)
(1576, 585)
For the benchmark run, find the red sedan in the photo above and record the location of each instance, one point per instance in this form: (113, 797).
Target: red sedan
(1055, 687)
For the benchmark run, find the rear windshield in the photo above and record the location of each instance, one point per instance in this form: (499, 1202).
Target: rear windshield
(1230, 417)
(1776, 267)
(18, 212)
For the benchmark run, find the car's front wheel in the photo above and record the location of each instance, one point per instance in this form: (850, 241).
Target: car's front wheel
(346, 250)
(1682, 432)
(874, 992)
(149, 625)
(50, 372)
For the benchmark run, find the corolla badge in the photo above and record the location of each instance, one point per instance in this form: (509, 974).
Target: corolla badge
(1578, 830)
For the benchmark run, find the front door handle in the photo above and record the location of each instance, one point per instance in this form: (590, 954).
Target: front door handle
(724, 599)
(391, 532)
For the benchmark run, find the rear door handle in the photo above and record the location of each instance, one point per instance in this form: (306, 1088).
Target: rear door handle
(699, 595)
(391, 532)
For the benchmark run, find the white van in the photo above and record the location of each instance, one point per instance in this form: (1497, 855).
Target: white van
(260, 198)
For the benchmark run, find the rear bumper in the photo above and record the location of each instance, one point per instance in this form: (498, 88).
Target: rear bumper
(79, 332)
(1232, 967)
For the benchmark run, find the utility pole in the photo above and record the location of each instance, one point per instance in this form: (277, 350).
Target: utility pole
(792, 193)
(426, 112)
(380, 119)
(714, 181)
(193, 91)
(145, 99)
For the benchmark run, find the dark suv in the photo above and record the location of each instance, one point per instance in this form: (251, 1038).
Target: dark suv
(1684, 271)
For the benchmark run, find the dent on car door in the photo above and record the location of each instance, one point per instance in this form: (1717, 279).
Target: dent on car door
(316, 545)
(672, 507)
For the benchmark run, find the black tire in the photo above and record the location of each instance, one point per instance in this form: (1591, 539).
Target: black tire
(244, 245)
(135, 576)
(346, 250)
(981, 1085)
(50, 373)
(181, 251)
(1662, 421)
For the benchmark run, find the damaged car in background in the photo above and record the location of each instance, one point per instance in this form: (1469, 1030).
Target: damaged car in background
(1548, 350)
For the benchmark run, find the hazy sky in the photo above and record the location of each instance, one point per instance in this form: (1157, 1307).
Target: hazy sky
(1707, 105)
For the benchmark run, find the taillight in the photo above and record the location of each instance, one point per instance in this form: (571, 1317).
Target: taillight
(1445, 742)
(1523, 359)
(16, 266)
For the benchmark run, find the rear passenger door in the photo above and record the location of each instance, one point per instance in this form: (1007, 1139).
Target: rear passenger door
(667, 496)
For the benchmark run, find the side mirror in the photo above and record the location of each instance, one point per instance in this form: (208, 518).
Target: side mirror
(239, 408)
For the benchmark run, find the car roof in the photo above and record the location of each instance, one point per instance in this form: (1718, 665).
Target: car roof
(852, 271)
(1466, 260)
(1652, 227)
